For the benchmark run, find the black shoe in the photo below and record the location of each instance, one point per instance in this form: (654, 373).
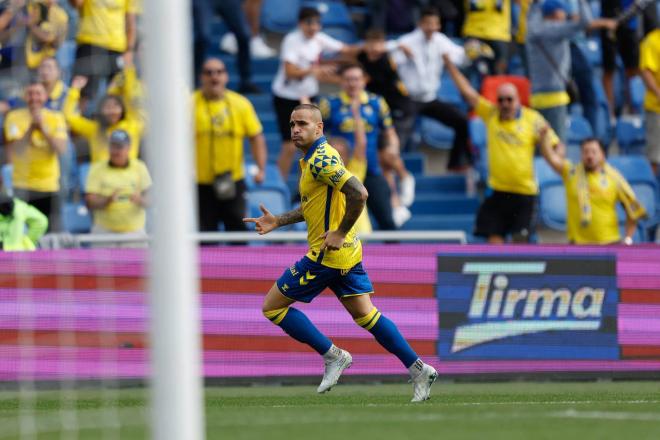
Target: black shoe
(249, 88)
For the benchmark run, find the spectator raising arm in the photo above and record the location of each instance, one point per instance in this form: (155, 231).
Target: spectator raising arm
(462, 83)
(77, 122)
(552, 155)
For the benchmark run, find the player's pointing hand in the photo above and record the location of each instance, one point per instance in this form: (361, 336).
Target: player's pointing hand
(265, 223)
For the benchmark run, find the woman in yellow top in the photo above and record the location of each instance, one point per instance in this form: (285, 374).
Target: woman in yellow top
(114, 113)
(593, 190)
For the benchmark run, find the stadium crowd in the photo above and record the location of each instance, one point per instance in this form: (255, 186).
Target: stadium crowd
(71, 104)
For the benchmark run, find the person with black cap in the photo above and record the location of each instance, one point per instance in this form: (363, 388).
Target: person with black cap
(17, 217)
(116, 190)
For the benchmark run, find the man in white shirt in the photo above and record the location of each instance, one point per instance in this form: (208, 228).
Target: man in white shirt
(300, 71)
(421, 70)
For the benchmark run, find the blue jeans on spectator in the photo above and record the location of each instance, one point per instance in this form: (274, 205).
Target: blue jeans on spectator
(584, 76)
(231, 12)
(556, 117)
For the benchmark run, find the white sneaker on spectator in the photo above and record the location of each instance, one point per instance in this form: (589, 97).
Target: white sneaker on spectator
(422, 383)
(229, 44)
(333, 369)
(259, 49)
(400, 215)
(407, 195)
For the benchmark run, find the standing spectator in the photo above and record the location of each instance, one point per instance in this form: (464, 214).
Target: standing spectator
(47, 27)
(116, 190)
(339, 121)
(624, 42)
(223, 119)
(299, 73)
(106, 31)
(258, 47)
(49, 75)
(593, 189)
(512, 132)
(21, 225)
(233, 16)
(649, 64)
(113, 114)
(35, 138)
(421, 74)
(549, 56)
(489, 21)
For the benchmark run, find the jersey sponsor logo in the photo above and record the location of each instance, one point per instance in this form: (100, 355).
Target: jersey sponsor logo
(335, 178)
(285, 287)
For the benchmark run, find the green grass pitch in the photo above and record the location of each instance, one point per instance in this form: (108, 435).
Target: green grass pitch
(518, 410)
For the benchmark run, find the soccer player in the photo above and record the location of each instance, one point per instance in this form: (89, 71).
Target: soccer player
(332, 200)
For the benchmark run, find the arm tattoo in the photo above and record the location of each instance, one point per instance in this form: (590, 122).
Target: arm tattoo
(293, 216)
(355, 202)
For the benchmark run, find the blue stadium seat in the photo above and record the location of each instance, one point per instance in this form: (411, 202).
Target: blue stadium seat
(83, 172)
(631, 136)
(279, 15)
(444, 204)
(448, 92)
(442, 222)
(478, 135)
(434, 134)
(342, 34)
(414, 162)
(440, 184)
(8, 178)
(272, 181)
(578, 129)
(76, 218)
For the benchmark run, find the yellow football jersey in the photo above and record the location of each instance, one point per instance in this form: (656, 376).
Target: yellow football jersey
(37, 168)
(649, 58)
(103, 23)
(511, 146)
(488, 19)
(604, 225)
(322, 175)
(121, 215)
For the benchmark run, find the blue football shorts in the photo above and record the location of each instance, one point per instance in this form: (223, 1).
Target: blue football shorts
(306, 279)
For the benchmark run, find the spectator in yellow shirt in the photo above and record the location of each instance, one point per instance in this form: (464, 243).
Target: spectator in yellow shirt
(223, 119)
(489, 21)
(106, 31)
(35, 138)
(513, 131)
(113, 115)
(116, 190)
(649, 64)
(593, 190)
(47, 27)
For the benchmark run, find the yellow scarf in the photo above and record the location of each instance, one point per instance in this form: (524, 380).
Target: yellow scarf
(625, 194)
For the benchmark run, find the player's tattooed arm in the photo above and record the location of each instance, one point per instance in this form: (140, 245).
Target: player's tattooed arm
(293, 216)
(356, 198)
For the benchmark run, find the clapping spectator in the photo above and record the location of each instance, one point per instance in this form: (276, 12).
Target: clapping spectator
(593, 190)
(223, 120)
(47, 26)
(116, 190)
(299, 74)
(512, 132)
(35, 138)
(106, 31)
(113, 114)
